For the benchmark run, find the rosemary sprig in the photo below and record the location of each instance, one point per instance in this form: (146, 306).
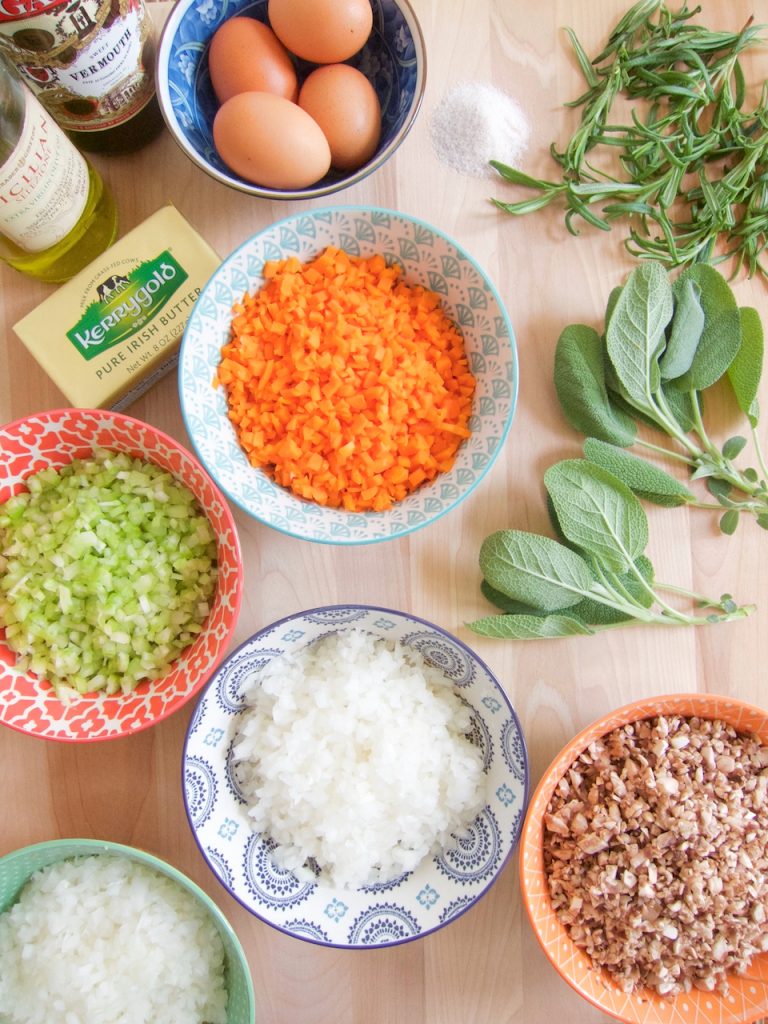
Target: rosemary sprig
(693, 163)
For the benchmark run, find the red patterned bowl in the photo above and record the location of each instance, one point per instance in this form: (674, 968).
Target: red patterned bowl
(52, 439)
(747, 997)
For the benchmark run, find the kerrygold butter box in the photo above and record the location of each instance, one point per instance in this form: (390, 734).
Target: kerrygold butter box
(112, 331)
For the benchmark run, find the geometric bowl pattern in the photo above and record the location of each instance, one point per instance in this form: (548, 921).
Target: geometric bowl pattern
(747, 998)
(53, 439)
(443, 886)
(428, 258)
(393, 61)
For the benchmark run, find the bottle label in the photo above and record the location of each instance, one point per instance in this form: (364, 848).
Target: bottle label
(90, 62)
(44, 183)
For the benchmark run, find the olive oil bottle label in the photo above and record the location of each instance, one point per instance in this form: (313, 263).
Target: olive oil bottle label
(90, 62)
(43, 183)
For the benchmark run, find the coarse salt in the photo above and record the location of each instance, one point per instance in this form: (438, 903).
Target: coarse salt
(474, 123)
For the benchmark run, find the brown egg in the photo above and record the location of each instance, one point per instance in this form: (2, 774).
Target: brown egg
(323, 31)
(345, 105)
(270, 141)
(246, 56)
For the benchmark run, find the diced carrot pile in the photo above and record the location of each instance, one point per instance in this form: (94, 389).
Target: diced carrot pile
(344, 383)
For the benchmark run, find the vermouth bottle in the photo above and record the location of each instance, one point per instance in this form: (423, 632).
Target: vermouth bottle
(91, 63)
(56, 214)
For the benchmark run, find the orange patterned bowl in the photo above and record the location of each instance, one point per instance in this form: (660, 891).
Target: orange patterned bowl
(28, 703)
(747, 996)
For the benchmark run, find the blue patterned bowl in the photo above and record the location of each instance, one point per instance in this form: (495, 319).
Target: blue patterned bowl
(393, 60)
(429, 258)
(442, 887)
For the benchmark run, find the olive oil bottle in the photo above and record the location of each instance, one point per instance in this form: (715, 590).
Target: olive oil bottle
(56, 213)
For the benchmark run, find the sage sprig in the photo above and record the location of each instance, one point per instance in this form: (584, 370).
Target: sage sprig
(663, 345)
(596, 577)
(690, 163)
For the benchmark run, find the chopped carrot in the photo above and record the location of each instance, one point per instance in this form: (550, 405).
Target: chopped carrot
(344, 383)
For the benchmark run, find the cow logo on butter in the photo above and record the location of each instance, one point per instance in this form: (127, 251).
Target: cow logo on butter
(126, 304)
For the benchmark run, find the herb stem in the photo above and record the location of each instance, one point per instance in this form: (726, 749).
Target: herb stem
(699, 599)
(669, 425)
(698, 426)
(694, 148)
(759, 451)
(608, 596)
(665, 451)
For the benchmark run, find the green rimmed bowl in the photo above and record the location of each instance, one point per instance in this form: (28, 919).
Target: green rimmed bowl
(17, 867)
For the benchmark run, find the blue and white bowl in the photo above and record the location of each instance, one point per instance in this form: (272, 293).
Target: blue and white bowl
(428, 258)
(393, 60)
(442, 887)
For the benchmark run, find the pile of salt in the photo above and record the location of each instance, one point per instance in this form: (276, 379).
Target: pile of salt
(474, 123)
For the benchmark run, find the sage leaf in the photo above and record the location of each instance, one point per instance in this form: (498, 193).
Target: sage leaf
(721, 336)
(506, 603)
(643, 478)
(687, 326)
(581, 389)
(729, 521)
(635, 335)
(640, 593)
(704, 471)
(746, 368)
(533, 569)
(718, 488)
(613, 298)
(529, 627)
(762, 520)
(597, 512)
(679, 404)
(734, 446)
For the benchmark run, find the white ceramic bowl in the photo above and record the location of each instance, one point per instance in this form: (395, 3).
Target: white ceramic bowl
(442, 887)
(428, 258)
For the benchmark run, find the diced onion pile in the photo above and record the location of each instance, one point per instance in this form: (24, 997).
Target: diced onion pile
(108, 571)
(354, 754)
(107, 940)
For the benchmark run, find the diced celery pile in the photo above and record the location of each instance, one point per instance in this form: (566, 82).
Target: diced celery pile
(108, 569)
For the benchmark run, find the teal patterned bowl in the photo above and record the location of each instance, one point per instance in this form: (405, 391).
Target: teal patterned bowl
(428, 258)
(17, 868)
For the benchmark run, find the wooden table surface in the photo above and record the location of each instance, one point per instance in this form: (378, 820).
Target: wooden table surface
(486, 967)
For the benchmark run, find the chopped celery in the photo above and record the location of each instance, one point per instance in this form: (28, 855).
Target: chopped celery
(108, 573)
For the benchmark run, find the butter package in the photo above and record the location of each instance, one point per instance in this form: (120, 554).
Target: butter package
(114, 329)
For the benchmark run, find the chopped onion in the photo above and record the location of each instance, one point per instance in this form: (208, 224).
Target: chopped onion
(108, 572)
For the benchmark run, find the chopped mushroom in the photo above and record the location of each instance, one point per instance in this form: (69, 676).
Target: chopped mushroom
(656, 853)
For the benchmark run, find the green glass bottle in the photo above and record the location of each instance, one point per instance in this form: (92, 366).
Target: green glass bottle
(56, 213)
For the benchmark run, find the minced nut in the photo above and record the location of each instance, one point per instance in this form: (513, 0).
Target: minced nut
(656, 853)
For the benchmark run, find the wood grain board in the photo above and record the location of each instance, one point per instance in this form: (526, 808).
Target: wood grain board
(486, 967)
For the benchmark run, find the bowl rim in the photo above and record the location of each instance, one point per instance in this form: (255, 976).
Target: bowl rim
(235, 600)
(175, 16)
(163, 866)
(514, 841)
(634, 711)
(321, 212)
